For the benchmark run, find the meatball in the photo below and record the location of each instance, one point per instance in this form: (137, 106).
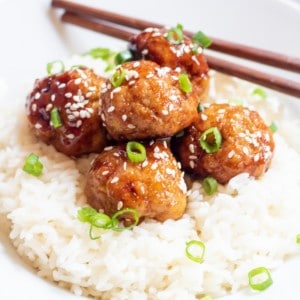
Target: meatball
(154, 187)
(153, 44)
(72, 99)
(247, 143)
(149, 103)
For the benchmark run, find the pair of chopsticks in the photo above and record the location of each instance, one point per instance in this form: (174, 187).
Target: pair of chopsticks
(113, 24)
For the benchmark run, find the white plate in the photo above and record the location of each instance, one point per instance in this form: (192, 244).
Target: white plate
(31, 35)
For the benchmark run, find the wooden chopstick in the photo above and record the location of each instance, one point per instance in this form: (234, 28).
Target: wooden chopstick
(274, 82)
(259, 55)
(271, 81)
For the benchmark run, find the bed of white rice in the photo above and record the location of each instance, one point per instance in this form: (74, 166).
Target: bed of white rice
(248, 223)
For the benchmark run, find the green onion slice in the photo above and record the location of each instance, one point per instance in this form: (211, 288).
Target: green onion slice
(260, 93)
(184, 83)
(55, 67)
(273, 127)
(123, 56)
(55, 118)
(211, 140)
(103, 53)
(195, 250)
(33, 165)
(201, 39)
(200, 108)
(92, 237)
(298, 238)
(136, 152)
(210, 185)
(85, 213)
(118, 77)
(236, 101)
(115, 223)
(175, 35)
(259, 278)
(100, 220)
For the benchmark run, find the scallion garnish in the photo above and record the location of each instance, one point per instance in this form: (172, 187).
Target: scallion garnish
(211, 140)
(210, 185)
(260, 93)
(55, 118)
(298, 238)
(55, 67)
(118, 77)
(123, 56)
(195, 250)
(206, 297)
(136, 152)
(273, 127)
(236, 101)
(175, 35)
(201, 39)
(200, 108)
(103, 53)
(115, 223)
(103, 221)
(259, 278)
(33, 165)
(184, 83)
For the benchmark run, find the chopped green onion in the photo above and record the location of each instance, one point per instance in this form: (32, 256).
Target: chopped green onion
(175, 35)
(193, 247)
(260, 93)
(55, 67)
(298, 238)
(210, 185)
(115, 223)
(92, 237)
(55, 118)
(259, 278)
(85, 213)
(103, 53)
(100, 220)
(78, 67)
(211, 140)
(200, 108)
(123, 56)
(236, 101)
(273, 127)
(32, 165)
(136, 152)
(184, 83)
(201, 39)
(118, 77)
(179, 134)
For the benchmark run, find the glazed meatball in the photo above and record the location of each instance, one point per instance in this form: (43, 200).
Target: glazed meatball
(72, 99)
(153, 44)
(149, 103)
(154, 187)
(247, 143)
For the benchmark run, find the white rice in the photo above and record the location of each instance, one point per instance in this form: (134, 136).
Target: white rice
(248, 223)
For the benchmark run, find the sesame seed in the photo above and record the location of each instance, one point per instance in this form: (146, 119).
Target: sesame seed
(194, 58)
(145, 51)
(124, 117)
(111, 109)
(193, 157)
(192, 148)
(78, 123)
(108, 148)
(170, 172)
(105, 172)
(164, 112)
(144, 163)
(256, 157)
(53, 97)
(116, 154)
(131, 126)
(173, 98)
(149, 75)
(115, 180)
(131, 82)
(70, 136)
(192, 164)
(62, 85)
(37, 96)
(38, 126)
(77, 80)
(231, 153)
(154, 166)
(33, 107)
(119, 205)
(88, 94)
(49, 106)
(136, 64)
(68, 95)
(246, 150)
(124, 165)
(204, 117)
